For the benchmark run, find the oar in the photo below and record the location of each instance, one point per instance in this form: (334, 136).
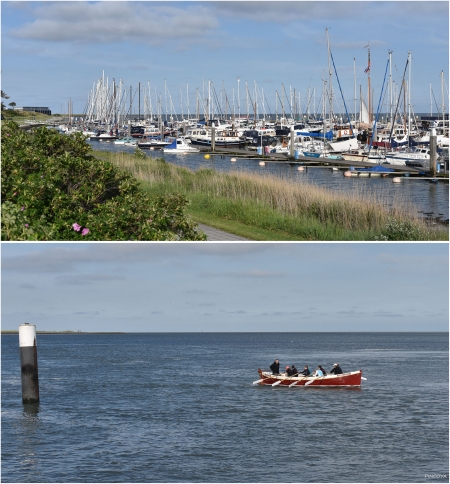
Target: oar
(279, 381)
(310, 381)
(259, 381)
(295, 383)
(362, 378)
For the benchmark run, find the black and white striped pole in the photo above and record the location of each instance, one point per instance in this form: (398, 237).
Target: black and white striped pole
(28, 363)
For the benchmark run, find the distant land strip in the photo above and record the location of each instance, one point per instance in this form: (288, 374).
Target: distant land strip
(16, 331)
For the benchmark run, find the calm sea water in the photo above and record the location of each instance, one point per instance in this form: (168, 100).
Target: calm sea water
(428, 199)
(182, 408)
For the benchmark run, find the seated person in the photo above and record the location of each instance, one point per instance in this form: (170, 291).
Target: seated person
(322, 370)
(294, 371)
(288, 371)
(318, 372)
(336, 369)
(305, 372)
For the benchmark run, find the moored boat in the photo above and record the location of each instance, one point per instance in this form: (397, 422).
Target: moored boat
(350, 379)
(179, 145)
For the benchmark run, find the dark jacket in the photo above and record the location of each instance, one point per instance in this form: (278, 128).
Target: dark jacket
(305, 372)
(336, 370)
(294, 371)
(275, 367)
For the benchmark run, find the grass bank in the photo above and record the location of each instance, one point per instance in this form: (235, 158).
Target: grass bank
(269, 208)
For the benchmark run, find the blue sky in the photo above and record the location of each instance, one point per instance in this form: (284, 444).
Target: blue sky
(169, 287)
(55, 51)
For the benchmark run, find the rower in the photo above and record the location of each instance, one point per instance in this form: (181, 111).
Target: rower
(336, 370)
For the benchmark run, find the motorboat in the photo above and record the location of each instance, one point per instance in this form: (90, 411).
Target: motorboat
(179, 145)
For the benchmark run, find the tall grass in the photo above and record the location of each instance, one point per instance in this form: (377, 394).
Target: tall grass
(270, 202)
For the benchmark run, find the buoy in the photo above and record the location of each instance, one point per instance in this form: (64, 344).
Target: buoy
(397, 179)
(347, 173)
(206, 157)
(301, 168)
(261, 163)
(233, 160)
(152, 149)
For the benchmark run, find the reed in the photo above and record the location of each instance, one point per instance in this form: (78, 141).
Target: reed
(270, 202)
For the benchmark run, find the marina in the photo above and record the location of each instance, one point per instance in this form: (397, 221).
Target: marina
(430, 199)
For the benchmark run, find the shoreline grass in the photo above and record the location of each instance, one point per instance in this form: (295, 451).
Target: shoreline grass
(266, 207)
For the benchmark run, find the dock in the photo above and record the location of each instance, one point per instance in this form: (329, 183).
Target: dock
(309, 162)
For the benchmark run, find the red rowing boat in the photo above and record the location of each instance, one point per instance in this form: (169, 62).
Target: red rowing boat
(350, 379)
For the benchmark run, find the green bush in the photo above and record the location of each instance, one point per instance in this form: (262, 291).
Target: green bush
(54, 189)
(401, 230)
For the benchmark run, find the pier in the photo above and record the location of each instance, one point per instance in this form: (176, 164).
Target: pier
(309, 162)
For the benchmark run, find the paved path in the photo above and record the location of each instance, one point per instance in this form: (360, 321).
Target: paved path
(218, 235)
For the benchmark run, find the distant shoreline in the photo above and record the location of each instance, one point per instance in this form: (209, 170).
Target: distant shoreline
(15, 331)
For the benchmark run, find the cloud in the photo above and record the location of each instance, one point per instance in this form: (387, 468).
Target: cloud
(112, 22)
(84, 279)
(251, 273)
(27, 285)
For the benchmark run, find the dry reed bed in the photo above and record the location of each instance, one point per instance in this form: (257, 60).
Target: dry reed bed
(350, 211)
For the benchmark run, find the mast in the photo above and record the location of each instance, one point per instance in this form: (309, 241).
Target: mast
(368, 86)
(391, 93)
(238, 100)
(443, 104)
(354, 88)
(330, 89)
(409, 97)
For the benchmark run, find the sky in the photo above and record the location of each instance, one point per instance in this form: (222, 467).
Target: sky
(53, 52)
(226, 287)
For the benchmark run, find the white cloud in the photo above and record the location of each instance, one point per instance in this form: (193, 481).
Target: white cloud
(113, 22)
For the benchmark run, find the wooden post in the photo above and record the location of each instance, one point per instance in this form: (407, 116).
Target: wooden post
(213, 137)
(28, 363)
(433, 152)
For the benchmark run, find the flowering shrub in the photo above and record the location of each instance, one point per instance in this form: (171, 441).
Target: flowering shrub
(54, 189)
(400, 230)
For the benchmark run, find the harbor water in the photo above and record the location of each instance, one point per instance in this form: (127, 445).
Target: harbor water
(181, 407)
(426, 199)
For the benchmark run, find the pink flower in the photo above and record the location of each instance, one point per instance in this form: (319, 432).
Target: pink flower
(84, 231)
(76, 227)
(149, 220)
(23, 208)
(26, 225)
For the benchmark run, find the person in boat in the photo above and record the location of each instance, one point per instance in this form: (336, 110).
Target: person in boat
(318, 372)
(275, 367)
(336, 370)
(291, 371)
(305, 371)
(322, 370)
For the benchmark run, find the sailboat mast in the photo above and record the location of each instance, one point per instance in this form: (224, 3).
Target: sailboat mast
(409, 96)
(391, 93)
(330, 89)
(368, 87)
(354, 88)
(445, 133)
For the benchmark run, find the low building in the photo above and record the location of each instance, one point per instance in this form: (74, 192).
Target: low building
(38, 110)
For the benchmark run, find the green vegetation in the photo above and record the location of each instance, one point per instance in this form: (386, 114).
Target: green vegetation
(54, 189)
(270, 208)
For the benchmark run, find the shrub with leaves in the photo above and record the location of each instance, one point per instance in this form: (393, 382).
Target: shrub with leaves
(400, 230)
(52, 183)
